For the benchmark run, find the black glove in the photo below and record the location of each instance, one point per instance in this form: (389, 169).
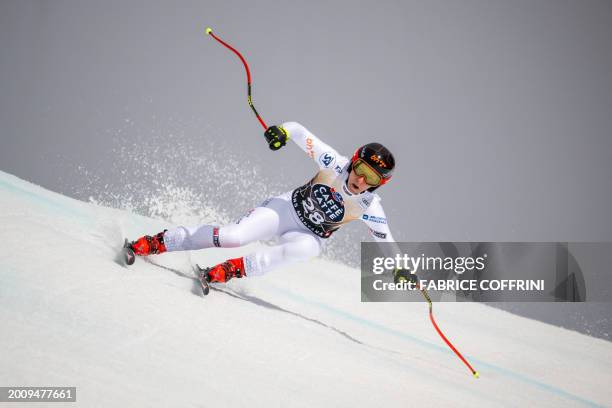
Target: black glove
(276, 136)
(404, 275)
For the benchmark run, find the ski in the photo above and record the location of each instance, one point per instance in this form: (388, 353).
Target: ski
(128, 253)
(128, 257)
(203, 278)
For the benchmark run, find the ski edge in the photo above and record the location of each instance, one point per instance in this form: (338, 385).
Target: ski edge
(202, 278)
(128, 254)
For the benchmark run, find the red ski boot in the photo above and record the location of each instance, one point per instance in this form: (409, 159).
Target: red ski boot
(226, 271)
(149, 245)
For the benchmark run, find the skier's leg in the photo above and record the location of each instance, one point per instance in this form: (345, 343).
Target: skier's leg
(260, 223)
(295, 246)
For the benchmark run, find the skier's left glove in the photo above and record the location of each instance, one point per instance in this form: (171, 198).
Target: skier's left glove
(404, 275)
(276, 136)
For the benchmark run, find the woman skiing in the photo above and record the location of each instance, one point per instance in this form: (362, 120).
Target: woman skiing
(302, 219)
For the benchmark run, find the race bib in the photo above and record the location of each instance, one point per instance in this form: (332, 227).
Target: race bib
(319, 207)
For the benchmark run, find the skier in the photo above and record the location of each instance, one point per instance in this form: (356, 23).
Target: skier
(302, 219)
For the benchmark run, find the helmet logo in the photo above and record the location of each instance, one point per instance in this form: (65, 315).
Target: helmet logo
(376, 159)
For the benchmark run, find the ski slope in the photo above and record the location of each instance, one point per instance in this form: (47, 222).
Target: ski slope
(71, 315)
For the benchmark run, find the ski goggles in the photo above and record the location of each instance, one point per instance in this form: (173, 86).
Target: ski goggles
(371, 176)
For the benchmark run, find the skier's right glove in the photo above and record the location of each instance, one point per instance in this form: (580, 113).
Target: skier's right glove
(404, 275)
(276, 136)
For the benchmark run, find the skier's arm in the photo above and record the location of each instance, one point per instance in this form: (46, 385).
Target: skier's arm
(376, 220)
(377, 223)
(322, 153)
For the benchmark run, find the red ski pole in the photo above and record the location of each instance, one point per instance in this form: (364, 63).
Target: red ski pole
(431, 317)
(248, 72)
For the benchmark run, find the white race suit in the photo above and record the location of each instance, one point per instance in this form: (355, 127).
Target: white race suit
(301, 219)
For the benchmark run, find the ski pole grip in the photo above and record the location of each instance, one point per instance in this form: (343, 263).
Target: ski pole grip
(276, 136)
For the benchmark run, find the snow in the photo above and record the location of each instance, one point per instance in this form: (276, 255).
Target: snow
(71, 315)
